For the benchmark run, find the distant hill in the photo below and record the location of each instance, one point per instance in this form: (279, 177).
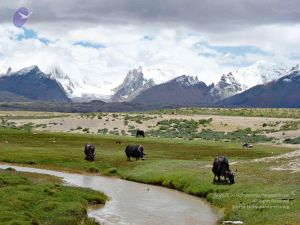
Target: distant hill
(183, 90)
(31, 83)
(6, 96)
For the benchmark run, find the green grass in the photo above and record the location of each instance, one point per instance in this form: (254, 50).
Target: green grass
(292, 140)
(179, 164)
(34, 117)
(252, 112)
(28, 198)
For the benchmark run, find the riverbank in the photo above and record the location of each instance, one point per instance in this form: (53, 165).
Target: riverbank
(32, 199)
(129, 199)
(256, 198)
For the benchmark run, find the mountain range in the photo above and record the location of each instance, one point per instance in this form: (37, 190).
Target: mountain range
(183, 90)
(283, 92)
(31, 84)
(133, 85)
(259, 85)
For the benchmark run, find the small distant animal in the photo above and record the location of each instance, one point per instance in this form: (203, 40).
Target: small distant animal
(232, 222)
(140, 133)
(247, 145)
(135, 151)
(221, 169)
(118, 142)
(89, 151)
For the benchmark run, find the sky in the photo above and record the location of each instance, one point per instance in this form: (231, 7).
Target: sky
(101, 40)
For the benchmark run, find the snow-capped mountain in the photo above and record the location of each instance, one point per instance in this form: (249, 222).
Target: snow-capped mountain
(82, 88)
(32, 84)
(7, 72)
(292, 75)
(227, 87)
(282, 92)
(181, 91)
(158, 75)
(56, 73)
(133, 84)
(79, 90)
(186, 80)
(260, 72)
(241, 80)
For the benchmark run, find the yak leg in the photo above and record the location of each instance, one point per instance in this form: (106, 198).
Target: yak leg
(214, 178)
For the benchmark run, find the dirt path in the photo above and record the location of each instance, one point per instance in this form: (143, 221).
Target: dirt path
(288, 161)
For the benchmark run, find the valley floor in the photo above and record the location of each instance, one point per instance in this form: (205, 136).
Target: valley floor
(267, 179)
(159, 124)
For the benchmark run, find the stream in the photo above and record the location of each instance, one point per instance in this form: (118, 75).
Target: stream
(135, 203)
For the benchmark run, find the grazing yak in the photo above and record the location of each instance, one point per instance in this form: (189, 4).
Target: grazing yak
(140, 133)
(135, 151)
(247, 145)
(89, 151)
(221, 168)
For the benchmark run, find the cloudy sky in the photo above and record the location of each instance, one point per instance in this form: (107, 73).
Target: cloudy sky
(103, 39)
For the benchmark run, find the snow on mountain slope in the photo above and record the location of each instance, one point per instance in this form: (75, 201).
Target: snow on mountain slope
(280, 93)
(158, 75)
(259, 73)
(292, 74)
(227, 87)
(32, 84)
(56, 73)
(187, 80)
(82, 90)
(133, 84)
(81, 87)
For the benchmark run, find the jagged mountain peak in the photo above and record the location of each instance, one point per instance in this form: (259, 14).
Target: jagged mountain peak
(32, 84)
(295, 70)
(134, 75)
(55, 71)
(26, 70)
(187, 80)
(8, 71)
(259, 73)
(228, 77)
(226, 87)
(277, 93)
(133, 84)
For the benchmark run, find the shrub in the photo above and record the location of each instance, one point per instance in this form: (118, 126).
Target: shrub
(103, 131)
(93, 169)
(292, 140)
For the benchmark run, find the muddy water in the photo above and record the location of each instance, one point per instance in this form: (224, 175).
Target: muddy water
(137, 204)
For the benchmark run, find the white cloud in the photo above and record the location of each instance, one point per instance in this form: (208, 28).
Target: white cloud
(170, 49)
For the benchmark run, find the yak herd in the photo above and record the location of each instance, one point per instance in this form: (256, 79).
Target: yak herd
(220, 166)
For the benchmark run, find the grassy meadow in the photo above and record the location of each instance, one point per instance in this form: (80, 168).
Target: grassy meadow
(260, 195)
(29, 198)
(250, 112)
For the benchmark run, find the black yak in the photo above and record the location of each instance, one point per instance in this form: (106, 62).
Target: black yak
(89, 151)
(140, 133)
(221, 168)
(135, 151)
(247, 145)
